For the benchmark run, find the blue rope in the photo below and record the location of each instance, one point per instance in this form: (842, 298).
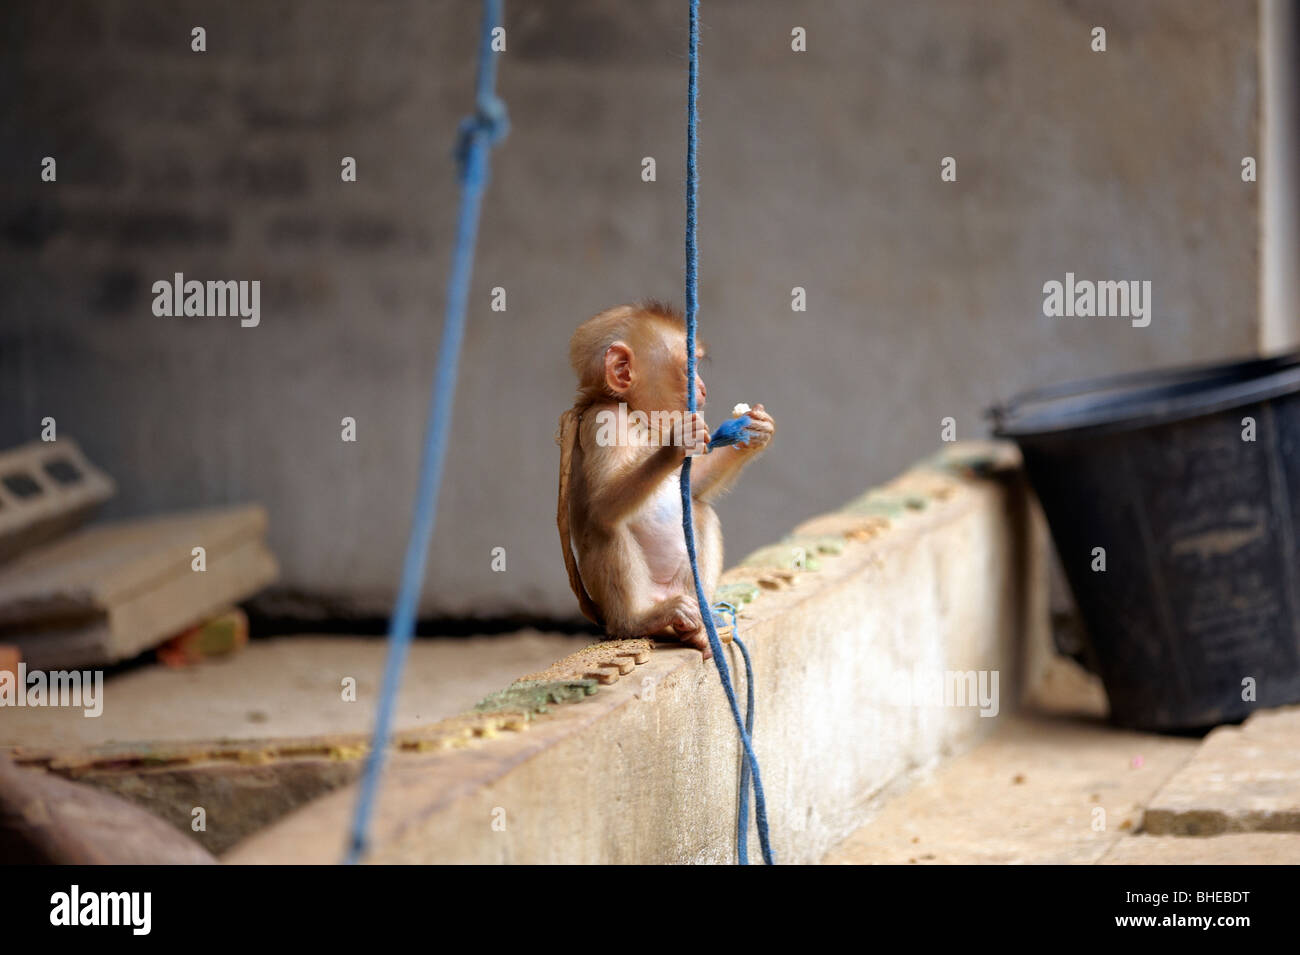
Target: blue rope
(742, 814)
(477, 134)
(688, 528)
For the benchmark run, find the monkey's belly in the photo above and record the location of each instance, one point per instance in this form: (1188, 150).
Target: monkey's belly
(657, 530)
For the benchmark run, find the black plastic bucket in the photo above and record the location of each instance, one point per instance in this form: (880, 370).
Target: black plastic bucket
(1195, 619)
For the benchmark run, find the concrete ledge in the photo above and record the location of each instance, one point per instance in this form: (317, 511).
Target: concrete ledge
(941, 570)
(245, 783)
(1242, 779)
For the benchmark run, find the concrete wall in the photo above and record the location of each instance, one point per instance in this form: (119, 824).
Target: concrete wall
(819, 169)
(866, 671)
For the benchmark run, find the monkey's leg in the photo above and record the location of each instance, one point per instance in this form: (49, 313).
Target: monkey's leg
(676, 616)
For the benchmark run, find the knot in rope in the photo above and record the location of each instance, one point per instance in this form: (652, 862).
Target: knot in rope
(488, 125)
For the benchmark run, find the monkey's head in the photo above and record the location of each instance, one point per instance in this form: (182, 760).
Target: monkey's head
(635, 354)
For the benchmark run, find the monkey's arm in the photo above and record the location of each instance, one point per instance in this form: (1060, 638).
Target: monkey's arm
(621, 479)
(715, 473)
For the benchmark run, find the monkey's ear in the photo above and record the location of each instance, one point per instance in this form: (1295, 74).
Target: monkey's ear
(618, 368)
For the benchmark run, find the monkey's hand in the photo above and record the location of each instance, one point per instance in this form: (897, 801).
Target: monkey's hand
(758, 434)
(695, 434)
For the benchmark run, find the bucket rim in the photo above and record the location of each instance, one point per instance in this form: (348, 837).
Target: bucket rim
(1136, 400)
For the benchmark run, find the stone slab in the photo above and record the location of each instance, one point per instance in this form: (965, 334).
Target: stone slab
(1243, 779)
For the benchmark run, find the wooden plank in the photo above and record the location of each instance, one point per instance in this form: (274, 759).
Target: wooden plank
(47, 488)
(87, 573)
(147, 616)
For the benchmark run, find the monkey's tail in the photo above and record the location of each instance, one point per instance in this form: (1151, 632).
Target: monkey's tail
(566, 436)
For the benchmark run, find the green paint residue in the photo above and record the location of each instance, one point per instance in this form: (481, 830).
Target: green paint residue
(737, 594)
(816, 543)
(782, 557)
(880, 504)
(536, 696)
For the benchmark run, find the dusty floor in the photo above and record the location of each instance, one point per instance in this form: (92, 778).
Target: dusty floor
(291, 686)
(1047, 789)
(1054, 784)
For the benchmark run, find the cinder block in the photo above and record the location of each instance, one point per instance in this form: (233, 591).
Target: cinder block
(46, 489)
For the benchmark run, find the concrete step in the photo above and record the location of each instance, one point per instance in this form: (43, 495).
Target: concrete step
(1043, 789)
(1057, 784)
(1242, 779)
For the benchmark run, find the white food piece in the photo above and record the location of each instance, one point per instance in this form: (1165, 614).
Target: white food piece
(739, 410)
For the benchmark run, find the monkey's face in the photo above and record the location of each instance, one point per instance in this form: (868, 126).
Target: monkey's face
(649, 373)
(664, 379)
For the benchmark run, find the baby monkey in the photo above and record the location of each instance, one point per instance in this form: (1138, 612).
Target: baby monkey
(622, 445)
